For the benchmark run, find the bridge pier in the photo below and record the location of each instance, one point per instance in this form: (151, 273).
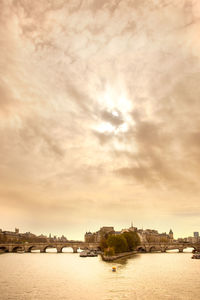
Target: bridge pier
(27, 249)
(163, 248)
(147, 248)
(10, 249)
(59, 249)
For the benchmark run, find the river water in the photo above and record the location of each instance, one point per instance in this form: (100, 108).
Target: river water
(151, 276)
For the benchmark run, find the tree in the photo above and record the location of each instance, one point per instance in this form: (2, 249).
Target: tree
(103, 243)
(132, 239)
(109, 251)
(118, 243)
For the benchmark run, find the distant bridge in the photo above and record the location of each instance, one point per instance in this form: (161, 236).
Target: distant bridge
(42, 247)
(75, 245)
(162, 247)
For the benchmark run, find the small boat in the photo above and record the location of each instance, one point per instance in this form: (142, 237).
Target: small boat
(196, 256)
(92, 254)
(88, 253)
(83, 254)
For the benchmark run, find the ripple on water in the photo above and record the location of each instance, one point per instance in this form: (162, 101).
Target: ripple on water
(62, 276)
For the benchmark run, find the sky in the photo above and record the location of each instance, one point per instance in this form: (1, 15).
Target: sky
(99, 115)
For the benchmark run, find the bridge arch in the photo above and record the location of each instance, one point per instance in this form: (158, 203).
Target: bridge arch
(17, 248)
(141, 249)
(190, 248)
(4, 249)
(152, 249)
(172, 249)
(67, 249)
(32, 248)
(49, 247)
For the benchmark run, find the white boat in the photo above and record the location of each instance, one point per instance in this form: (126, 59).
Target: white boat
(83, 254)
(92, 254)
(88, 253)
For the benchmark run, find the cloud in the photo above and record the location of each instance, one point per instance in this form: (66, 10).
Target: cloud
(115, 118)
(9, 105)
(67, 67)
(168, 142)
(103, 137)
(41, 134)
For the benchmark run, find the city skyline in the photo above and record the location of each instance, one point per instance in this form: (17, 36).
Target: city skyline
(81, 237)
(110, 229)
(99, 115)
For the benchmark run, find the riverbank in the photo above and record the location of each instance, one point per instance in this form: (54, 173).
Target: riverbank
(117, 256)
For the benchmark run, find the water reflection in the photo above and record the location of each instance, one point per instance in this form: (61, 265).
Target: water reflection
(125, 260)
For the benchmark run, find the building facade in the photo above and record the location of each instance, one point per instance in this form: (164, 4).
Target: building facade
(146, 236)
(98, 235)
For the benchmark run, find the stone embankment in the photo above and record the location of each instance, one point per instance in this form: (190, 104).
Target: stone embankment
(117, 256)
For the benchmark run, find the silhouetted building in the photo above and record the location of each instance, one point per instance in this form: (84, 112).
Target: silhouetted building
(196, 236)
(146, 236)
(171, 235)
(97, 236)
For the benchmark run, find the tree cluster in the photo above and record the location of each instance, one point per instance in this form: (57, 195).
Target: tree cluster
(124, 242)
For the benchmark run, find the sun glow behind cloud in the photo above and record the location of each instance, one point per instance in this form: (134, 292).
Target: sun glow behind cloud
(115, 99)
(117, 104)
(106, 127)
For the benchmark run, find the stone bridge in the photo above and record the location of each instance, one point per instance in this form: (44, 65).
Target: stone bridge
(155, 247)
(27, 247)
(75, 245)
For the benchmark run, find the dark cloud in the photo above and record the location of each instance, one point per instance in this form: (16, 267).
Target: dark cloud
(103, 137)
(114, 119)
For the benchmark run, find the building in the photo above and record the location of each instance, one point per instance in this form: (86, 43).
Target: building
(98, 235)
(63, 238)
(146, 236)
(10, 236)
(191, 239)
(28, 234)
(196, 236)
(171, 235)
(89, 237)
(16, 237)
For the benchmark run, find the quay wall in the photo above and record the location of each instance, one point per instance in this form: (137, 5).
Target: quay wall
(118, 256)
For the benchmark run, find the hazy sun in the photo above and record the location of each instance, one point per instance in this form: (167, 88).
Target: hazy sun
(117, 104)
(115, 100)
(109, 128)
